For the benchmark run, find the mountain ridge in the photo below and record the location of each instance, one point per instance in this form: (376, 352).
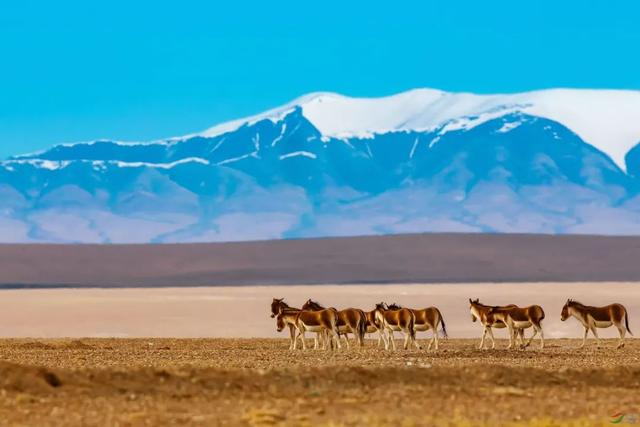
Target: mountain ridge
(295, 171)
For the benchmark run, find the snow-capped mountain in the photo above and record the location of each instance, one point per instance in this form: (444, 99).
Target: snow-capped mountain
(554, 161)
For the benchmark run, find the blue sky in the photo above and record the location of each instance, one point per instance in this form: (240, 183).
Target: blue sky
(140, 70)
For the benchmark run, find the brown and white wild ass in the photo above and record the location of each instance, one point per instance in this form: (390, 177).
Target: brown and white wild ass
(373, 325)
(479, 313)
(519, 318)
(425, 319)
(350, 320)
(397, 320)
(321, 322)
(598, 317)
(278, 305)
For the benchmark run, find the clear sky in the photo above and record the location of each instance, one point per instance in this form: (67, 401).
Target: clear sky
(141, 70)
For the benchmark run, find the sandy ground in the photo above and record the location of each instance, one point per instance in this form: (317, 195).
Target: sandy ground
(259, 382)
(203, 312)
(87, 380)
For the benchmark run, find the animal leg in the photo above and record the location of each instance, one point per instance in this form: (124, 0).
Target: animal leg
(292, 336)
(337, 338)
(385, 338)
(511, 337)
(415, 342)
(391, 338)
(295, 340)
(623, 332)
(595, 333)
(435, 336)
(484, 334)
(493, 340)
(536, 329)
(584, 339)
(541, 337)
(304, 341)
(355, 336)
(346, 340)
(408, 340)
(324, 339)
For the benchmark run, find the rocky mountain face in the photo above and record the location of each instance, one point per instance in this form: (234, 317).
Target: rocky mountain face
(308, 170)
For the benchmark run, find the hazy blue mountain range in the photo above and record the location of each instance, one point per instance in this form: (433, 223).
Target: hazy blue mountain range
(555, 161)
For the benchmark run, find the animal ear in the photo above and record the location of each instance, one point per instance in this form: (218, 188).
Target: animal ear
(470, 302)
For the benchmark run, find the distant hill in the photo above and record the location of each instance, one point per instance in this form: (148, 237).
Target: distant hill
(416, 258)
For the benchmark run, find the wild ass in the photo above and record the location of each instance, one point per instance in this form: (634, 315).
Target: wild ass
(278, 305)
(322, 321)
(597, 317)
(396, 320)
(479, 313)
(349, 320)
(425, 319)
(519, 318)
(373, 325)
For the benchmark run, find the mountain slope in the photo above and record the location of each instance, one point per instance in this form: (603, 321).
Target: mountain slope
(554, 161)
(606, 119)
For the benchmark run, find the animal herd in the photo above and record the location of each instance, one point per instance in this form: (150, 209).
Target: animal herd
(330, 324)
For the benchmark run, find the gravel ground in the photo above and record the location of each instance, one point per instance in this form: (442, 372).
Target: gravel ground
(260, 382)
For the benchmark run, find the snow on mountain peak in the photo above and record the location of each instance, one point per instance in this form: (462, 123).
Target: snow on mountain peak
(419, 161)
(607, 119)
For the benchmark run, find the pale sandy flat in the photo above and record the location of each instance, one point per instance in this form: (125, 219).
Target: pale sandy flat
(244, 311)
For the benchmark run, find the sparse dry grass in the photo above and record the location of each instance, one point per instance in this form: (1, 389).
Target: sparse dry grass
(259, 382)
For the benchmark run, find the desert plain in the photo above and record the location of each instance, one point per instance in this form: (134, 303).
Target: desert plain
(259, 382)
(212, 356)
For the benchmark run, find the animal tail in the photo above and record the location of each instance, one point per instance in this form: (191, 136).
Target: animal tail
(334, 325)
(444, 327)
(626, 321)
(362, 327)
(412, 329)
(335, 321)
